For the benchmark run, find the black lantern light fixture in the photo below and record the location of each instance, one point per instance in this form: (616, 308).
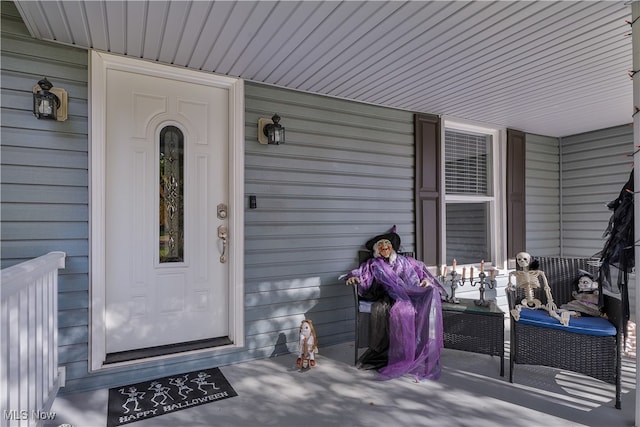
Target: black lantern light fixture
(49, 102)
(270, 131)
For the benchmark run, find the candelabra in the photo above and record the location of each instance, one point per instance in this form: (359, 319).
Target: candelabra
(483, 280)
(455, 280)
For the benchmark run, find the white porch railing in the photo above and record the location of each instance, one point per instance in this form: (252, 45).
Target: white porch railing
(29, 373)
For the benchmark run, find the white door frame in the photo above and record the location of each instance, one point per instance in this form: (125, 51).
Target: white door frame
(100, 62)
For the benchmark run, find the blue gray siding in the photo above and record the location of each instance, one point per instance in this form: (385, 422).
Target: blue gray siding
(569, 183)
(595, 166)
(44, 180)
(344, 175)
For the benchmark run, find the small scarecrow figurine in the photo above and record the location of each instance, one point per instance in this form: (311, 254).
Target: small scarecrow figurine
(308, 345)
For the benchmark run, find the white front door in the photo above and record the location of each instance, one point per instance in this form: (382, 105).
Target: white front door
(167, 228)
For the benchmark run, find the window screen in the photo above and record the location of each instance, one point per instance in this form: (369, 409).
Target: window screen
(467, 163)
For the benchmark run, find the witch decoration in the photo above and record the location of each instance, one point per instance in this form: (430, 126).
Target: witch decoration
(413, 296)
(619, 247)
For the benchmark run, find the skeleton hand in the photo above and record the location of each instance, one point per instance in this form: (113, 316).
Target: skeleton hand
(424, 283)
(352, 280)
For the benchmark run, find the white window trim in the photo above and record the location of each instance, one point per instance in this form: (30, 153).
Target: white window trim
(498, 202)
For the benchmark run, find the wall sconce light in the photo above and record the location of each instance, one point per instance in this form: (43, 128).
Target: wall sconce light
(270, 131)
(49, 102)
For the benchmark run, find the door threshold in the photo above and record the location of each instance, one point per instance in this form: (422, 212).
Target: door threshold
(163, 350)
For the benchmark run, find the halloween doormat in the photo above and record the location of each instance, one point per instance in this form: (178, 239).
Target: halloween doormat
(150, 399)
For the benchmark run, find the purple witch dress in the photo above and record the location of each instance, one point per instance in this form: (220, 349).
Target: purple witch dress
(415, 319)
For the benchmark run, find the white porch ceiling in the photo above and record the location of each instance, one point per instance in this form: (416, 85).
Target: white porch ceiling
(553, 68)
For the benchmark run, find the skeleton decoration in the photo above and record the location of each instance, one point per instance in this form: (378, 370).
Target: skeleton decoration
(529, 280)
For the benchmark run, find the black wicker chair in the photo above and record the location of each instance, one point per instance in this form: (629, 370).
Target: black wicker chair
(595, 356)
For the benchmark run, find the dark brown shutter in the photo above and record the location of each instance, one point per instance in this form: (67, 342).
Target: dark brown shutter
(516, 214)
(428, 200)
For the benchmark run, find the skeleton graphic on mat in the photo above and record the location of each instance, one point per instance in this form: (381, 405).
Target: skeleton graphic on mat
(133, 396)
(181, 383)
(202, 382)
(159, 392)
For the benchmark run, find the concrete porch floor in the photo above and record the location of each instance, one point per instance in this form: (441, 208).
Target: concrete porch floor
(470, 392)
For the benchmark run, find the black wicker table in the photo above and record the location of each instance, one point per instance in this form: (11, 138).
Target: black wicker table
(474, 328)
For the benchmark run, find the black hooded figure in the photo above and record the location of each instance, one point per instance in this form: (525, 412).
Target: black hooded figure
(618, 249)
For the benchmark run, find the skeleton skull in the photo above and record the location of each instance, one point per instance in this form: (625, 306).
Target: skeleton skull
(523, 259)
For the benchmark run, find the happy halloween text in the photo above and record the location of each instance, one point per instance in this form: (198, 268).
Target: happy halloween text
(172, 407)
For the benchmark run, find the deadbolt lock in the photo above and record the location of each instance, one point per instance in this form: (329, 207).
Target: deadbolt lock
(222, 211)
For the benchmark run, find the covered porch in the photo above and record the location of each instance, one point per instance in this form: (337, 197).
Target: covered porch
(307, 192)
(470, 392)
(273, 391)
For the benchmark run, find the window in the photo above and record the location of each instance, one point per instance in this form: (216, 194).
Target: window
(171, 209)
(472, 186)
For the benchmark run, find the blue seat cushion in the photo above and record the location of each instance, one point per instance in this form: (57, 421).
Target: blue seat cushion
(586, 325)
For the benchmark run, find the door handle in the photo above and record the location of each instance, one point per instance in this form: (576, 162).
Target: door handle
(223, 235)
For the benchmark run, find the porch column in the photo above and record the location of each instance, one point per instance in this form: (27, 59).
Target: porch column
(635, 43)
